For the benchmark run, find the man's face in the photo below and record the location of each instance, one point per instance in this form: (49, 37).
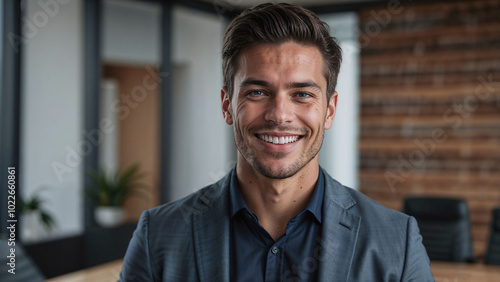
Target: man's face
(279, 108)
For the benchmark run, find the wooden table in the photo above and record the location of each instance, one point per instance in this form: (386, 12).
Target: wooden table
(443, 272)
(101, 273)
(464, 272)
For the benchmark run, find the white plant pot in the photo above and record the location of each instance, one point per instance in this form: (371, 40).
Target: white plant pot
(31, 226)
(108, 216)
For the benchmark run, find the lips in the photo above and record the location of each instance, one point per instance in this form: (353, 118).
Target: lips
(278, 140)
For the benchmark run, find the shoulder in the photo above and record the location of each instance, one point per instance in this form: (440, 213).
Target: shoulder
(392, 238)
(370, 211)
(164, 234)
(178, 214)
(379, 227)
(389, 228)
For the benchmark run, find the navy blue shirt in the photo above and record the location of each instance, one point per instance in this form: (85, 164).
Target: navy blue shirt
(255, 256)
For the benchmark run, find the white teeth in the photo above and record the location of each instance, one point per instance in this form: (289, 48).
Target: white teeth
(278, 140)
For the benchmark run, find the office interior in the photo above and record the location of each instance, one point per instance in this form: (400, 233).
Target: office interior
(105, 85)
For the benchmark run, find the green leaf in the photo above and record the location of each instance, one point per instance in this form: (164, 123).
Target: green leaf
(113, 189)
(35, 203)
(47, 220)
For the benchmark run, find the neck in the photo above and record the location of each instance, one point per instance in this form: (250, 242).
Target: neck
(276, 201)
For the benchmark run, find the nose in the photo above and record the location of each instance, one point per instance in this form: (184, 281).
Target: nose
(279, 110)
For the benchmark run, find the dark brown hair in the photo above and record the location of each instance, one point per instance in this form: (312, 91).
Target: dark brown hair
(279, 23)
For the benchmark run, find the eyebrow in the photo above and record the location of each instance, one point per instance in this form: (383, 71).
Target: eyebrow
(291, 85)
(305, 84)
(248, 82)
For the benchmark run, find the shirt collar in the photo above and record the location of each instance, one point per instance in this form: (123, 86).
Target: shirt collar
(236, 201)
(315, 205)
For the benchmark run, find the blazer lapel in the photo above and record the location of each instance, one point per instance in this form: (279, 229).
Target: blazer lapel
(339, 233)
(211, 233)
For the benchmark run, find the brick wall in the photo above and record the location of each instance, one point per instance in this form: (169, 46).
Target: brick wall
(430, 105)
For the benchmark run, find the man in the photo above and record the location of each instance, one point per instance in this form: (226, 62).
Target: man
(277, 216)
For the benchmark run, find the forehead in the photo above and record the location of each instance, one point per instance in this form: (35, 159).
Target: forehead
(288, 54)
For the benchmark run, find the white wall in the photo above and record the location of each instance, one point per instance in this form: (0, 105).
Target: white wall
(339, 155)
(131, 32)
(108, 150)
(52, 109)
(202, 142)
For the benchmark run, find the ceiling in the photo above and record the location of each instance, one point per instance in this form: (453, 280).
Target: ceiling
(250, 3)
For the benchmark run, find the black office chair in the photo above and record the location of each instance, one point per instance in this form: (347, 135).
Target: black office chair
(493, 252)
(444, 225)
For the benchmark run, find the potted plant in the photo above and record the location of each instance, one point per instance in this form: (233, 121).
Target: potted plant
(109, 192)
(35, 217)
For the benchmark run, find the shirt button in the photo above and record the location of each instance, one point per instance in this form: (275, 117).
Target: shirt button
(274, 250)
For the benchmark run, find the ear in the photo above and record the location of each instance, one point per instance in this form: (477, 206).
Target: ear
(331, 110)
(226, 106)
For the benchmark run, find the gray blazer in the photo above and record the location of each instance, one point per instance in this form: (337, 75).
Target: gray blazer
(188, 240)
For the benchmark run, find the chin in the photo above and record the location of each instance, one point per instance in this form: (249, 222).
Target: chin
(277, 171)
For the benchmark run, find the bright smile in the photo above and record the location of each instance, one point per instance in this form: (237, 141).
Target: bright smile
(278, 140)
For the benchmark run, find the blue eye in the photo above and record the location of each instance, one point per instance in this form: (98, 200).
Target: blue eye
(303, 95)
(256, 93)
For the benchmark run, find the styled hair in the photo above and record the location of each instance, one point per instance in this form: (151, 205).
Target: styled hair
(279, 23)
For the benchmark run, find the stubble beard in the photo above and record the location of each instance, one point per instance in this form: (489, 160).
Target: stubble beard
(267, 170)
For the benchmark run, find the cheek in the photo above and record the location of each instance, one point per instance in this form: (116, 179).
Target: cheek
(314, 118)
(241, 119)
(247, 113)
